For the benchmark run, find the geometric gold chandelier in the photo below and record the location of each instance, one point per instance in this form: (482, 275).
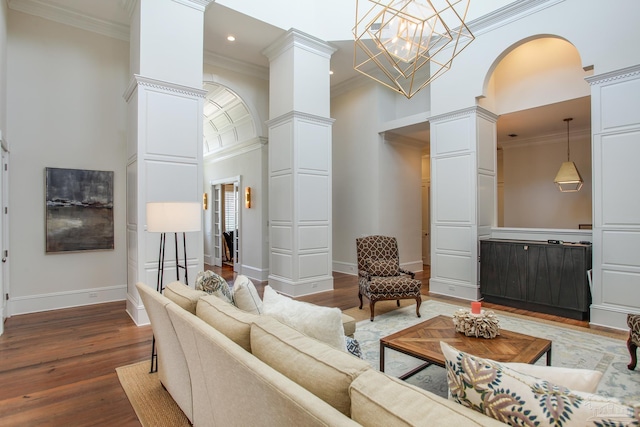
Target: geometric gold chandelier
(568, 178)
(406, 44)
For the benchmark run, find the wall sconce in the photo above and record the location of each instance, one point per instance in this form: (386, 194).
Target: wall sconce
(247, 197)
(205, 201)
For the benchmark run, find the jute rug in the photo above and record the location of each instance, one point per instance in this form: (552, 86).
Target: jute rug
(152, 403)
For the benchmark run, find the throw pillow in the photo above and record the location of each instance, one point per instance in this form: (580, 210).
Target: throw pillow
(213, 284)
(245, 295)
(321, 323)
(353, 347)
(518, 399)
(382, 267)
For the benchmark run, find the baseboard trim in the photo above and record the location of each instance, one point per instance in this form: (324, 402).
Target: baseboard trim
(345, 267)
(136, 311)
(261, 275)
(66, 299)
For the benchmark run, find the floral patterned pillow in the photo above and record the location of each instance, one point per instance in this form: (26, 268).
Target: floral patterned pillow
(213, 284)
(522, 400)
(382, 267)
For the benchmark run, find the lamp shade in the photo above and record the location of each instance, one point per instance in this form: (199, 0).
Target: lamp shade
(174, 217)
(568, 178)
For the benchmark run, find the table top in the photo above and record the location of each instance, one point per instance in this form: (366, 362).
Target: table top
(423, 341)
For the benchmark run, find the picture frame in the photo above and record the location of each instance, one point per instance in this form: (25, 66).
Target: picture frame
(78, 210)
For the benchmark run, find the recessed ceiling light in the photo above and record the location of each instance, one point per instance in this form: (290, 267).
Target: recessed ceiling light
(331, 72)
(231, 38)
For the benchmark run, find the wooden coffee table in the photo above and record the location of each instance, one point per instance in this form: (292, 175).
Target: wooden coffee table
(422, 341)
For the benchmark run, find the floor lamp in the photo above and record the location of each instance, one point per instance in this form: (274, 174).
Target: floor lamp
(171, 217)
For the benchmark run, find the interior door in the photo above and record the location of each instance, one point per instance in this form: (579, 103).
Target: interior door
(426, 224)
(216, 224)
(4, 236)
(236, 235)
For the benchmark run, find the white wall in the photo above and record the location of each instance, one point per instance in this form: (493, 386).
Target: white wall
(376, 184)
(3, 65)
(65, 89)
(531, 199)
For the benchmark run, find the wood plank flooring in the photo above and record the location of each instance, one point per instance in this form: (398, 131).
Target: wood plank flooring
(57, 368)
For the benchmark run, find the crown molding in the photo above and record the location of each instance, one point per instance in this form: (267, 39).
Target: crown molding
(553, 138)
(508, 14)
(73, 18)
(623, 74)
(299, 115)
(138, 80)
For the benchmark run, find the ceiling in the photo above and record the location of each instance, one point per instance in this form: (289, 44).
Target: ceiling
(253, 36)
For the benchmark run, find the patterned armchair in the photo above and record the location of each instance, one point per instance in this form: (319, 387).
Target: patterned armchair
(633, 321)
(380, 276)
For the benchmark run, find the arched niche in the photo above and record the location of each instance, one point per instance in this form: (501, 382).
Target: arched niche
(533, 86)
(227, 119)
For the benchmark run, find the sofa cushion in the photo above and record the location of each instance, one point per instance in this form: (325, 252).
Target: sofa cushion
(519, 399)
(321, 323)
(213, 284)
(227, 319)
(183, 295)
(323, 370)
(245, 295)
(379, 400)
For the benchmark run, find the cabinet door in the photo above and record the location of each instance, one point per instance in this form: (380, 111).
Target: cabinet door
(558, 277)
(503, 270)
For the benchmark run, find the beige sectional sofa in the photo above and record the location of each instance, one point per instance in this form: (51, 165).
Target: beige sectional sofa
(226, 367)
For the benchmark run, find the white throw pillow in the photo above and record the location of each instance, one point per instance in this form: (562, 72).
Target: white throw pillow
(245, 295)
(321, 323)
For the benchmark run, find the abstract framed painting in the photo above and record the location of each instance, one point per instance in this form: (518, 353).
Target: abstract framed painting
(79, 210)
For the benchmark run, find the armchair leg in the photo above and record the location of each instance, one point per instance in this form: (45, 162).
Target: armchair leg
(418, 302)
(372, 304)
(360, 296)
(398, 302)
(632, 351)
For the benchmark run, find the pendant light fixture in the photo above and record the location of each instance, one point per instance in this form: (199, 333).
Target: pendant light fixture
(568, 178)
(405, 44)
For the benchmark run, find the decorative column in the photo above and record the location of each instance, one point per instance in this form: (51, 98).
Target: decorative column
(164, 142)
(615, 128)
(463, 201)
(300, 165)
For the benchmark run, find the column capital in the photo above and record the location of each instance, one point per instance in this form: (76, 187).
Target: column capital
(488, 115)
(196, 4)
(295, 38)
(138, 80)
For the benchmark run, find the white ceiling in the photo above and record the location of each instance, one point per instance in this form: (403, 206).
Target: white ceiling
(253, 36)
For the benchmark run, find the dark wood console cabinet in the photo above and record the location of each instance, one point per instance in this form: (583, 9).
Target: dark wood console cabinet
(537, 276)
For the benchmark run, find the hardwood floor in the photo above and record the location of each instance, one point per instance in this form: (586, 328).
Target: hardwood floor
(57, 368)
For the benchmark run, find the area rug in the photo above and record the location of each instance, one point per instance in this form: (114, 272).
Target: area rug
(571, 348)
(153, 404)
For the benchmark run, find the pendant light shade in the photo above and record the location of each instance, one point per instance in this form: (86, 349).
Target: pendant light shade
(568, 178)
